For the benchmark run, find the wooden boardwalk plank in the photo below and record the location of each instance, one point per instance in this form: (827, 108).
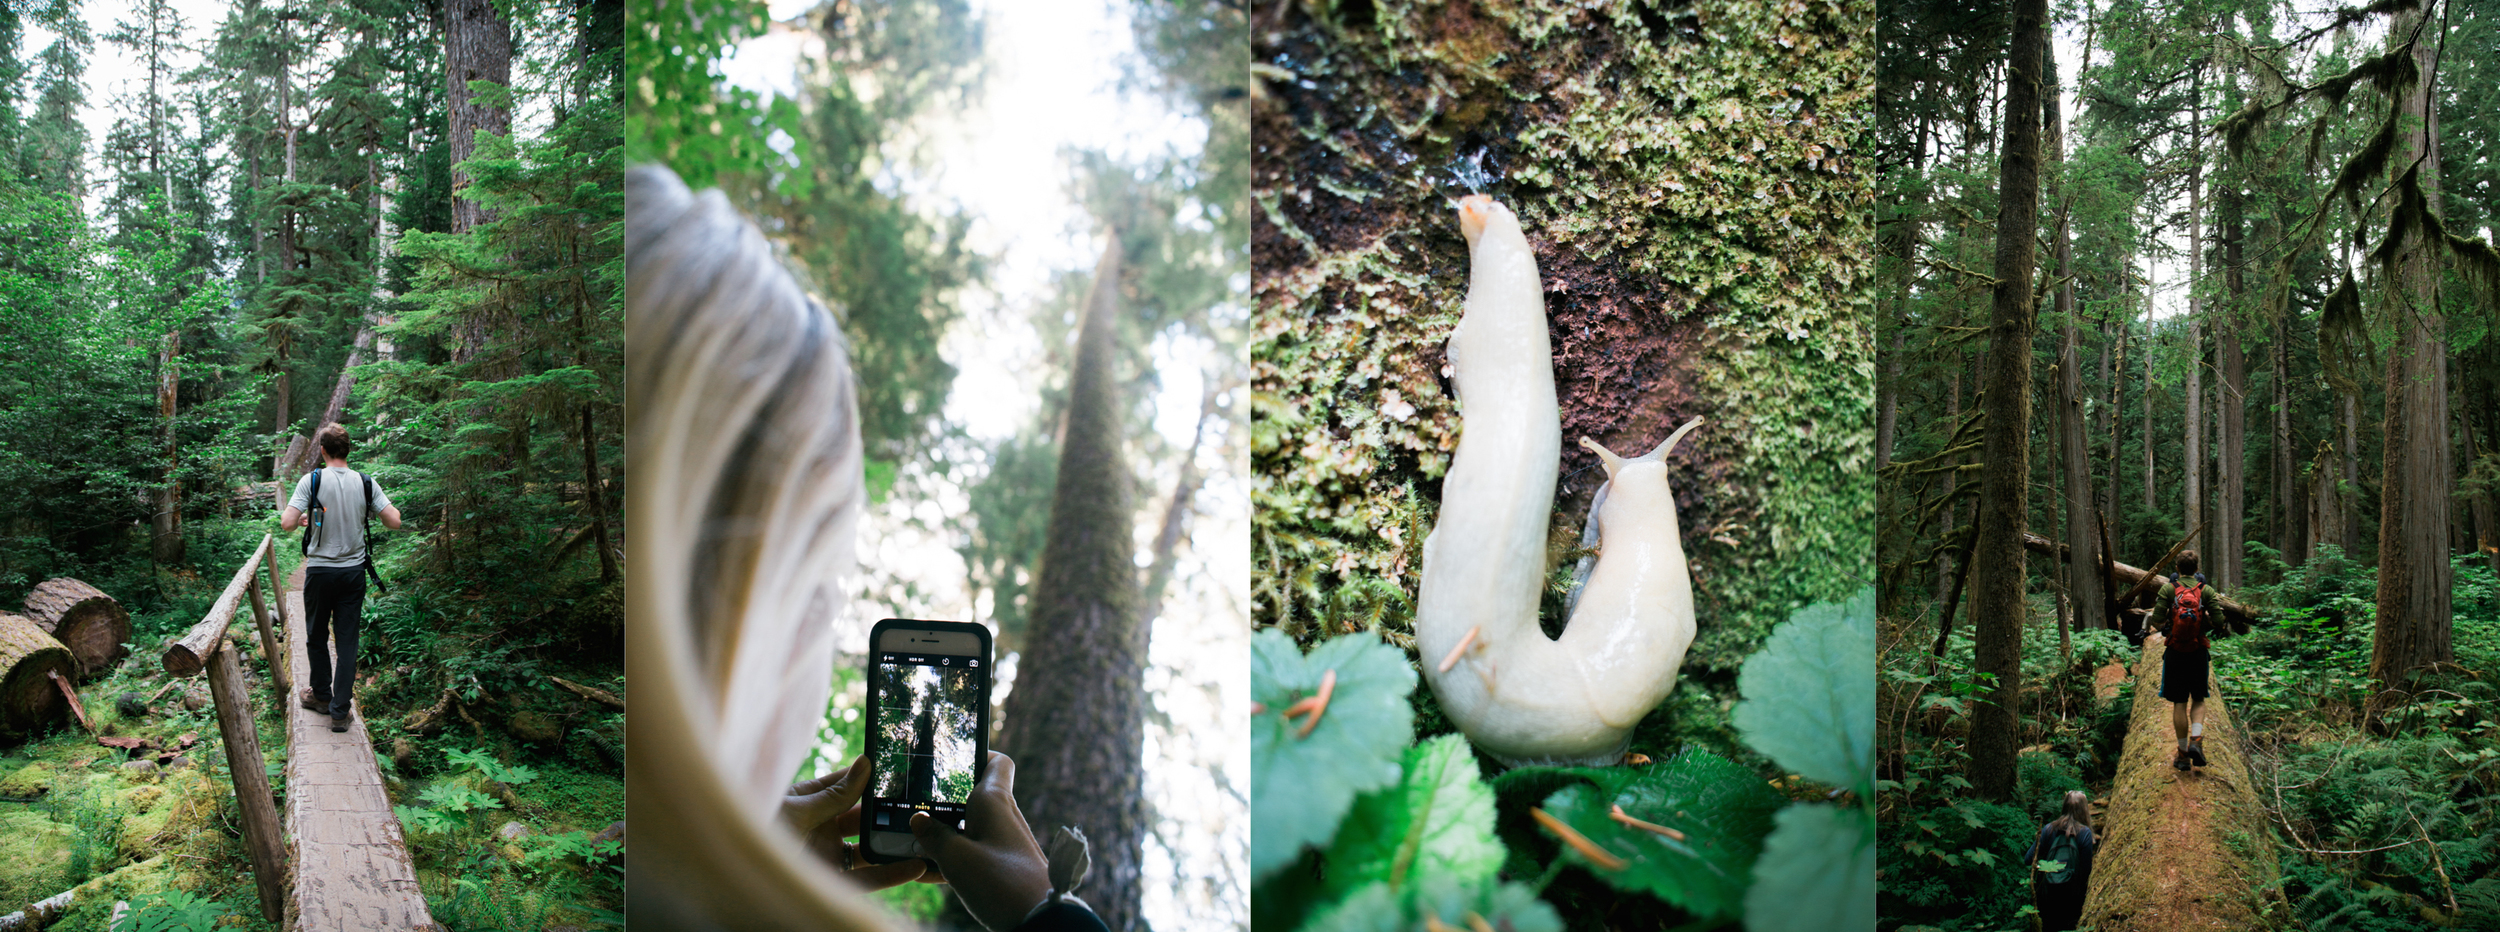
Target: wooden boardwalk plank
(353, 872)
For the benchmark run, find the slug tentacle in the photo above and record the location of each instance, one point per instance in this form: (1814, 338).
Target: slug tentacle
(1576, 698)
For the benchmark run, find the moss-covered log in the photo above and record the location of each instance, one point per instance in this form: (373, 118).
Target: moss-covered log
(92, 625)
(28, 698)
(2180, 850)
(2239, 616)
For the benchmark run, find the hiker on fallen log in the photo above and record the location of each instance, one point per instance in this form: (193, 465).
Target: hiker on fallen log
(2069, 843)
(2187, 659)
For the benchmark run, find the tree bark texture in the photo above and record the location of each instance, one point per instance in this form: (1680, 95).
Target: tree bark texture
(2192, 470)
(28, 657)
(1998, 564)
(2289, 530)
(1076, 721)
(2419, 473)
(86, 621)
(262, 840)
(477, 46)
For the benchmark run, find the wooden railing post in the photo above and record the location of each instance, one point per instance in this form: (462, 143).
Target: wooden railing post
(277, 593)
(261, 837)
(278, 671)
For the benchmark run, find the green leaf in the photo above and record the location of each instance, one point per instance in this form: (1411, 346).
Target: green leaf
(1436, 822)
(1810, 695)
(1817, 872)
(1302, 785)
(1376, 908)
(1723, 810)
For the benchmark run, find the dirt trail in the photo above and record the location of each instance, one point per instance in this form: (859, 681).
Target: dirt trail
(2179, 850)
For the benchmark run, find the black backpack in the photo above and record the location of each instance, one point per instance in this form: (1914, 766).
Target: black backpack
(316, 512)
(2065, 849)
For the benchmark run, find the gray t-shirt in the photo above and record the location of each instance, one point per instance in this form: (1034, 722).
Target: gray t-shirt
(341, 539)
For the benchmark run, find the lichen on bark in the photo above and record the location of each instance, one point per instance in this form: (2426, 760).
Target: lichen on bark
(1688, 179)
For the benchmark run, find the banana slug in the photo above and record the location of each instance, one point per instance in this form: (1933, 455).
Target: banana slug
(1520, 696)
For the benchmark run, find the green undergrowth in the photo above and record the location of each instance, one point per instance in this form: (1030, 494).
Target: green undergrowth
(2382, 820)
(1370, 818)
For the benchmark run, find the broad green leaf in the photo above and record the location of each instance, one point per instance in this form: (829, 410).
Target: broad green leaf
(1302, 785)
(1376, 908)
(1436, 822)
(1810, 695)
(1723, 811)
(1817, 873)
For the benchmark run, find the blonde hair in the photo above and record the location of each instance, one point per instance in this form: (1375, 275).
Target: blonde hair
(743, 435)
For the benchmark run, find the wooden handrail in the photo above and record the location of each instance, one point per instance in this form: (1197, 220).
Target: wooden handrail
(205, 647)
(190, 654)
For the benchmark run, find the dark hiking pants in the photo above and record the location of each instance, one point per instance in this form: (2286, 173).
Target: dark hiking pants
(333, 596)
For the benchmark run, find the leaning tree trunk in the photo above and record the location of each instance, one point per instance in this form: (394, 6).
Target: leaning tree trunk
(29, 699)
(1998, 566)
(89, 623)
(2180, 851)
(1076, 721)
(2414, 503)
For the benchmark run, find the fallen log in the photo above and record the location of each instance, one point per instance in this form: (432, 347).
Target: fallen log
(2180, 850)
(592, 693)
(2238, 616)
(41, 913)
(91, 624)
(29, 658)
(189, 655)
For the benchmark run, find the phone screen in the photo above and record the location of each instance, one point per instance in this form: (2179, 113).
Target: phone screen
(930, 695)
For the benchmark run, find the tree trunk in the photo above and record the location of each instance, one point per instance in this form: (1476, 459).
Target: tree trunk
(28, 699)
(2328, 519)
(166, 545)
(2288, 532)
(1075, 722)
(2231, 515)
(2193, 467)
(2152, 502)
(2082, 586)
(1949, 582)
(1998, 565)
(2415, 484)
(477, 46)
(86, 621)
(597, 496)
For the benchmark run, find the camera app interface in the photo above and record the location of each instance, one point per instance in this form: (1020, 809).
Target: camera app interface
(928, 721)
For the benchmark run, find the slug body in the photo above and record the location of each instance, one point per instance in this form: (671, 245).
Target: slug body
(1520, 696)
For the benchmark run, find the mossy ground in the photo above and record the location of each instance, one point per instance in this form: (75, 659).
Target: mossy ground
(74, 815)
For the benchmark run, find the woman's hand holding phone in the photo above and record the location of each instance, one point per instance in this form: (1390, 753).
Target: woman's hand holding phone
(995, 865)
(826, 811)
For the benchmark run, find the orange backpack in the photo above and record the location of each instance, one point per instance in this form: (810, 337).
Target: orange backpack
(2187, 620)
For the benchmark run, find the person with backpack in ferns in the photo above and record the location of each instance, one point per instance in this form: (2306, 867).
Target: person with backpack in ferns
(2069, 842)
(336, 505)
(2187, 607)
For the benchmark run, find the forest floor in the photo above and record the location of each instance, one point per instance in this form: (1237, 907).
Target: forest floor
(510, 800)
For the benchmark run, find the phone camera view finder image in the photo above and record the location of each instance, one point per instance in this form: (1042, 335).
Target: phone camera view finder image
(930, 688)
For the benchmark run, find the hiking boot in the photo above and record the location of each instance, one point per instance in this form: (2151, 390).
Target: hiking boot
(315, 703)
(2196, 753)
(339, 722)
(2178, 762)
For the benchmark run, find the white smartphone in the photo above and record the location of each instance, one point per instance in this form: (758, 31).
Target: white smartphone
(928, 728)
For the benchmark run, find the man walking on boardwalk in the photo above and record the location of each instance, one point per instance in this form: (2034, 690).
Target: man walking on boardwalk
(337, 503)
(2186, 660)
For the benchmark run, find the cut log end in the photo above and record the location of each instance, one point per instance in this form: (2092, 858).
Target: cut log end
(92, 625)
(29, 659)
